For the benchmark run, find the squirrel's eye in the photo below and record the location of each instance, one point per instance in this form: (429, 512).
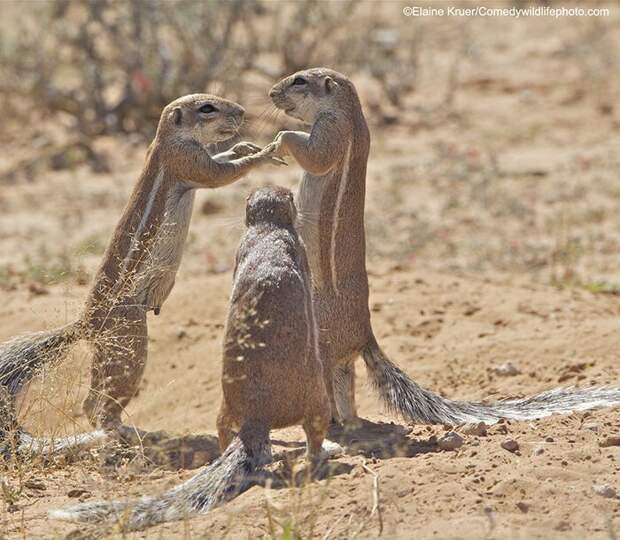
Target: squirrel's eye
(298, 81)
(208, 108)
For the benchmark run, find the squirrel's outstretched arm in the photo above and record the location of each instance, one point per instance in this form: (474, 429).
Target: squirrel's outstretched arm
(316, 152)
(199, 168)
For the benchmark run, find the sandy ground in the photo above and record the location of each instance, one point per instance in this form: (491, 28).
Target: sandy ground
(493, 237)
(467, 328)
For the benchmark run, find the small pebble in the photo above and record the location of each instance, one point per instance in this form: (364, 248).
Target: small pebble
(479, 429)
(538, 450)
(605, 491)
(511, 445)
(523, 506)
(507, 369)
(75, 493)
(450, 441)
(181, 334)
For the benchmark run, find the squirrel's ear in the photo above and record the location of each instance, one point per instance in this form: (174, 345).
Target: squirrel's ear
(330, 85)
(176, 116)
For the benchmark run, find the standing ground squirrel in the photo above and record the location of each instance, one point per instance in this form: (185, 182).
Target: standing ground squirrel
(332, 195)
(140, 263)
(272, 375)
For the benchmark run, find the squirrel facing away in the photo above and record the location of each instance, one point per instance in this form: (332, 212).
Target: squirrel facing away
(271, 377)
(138, 269)
(334, 156)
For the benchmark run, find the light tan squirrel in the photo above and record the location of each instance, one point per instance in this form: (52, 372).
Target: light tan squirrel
(332, 191)
(139, 265)
(272, 375)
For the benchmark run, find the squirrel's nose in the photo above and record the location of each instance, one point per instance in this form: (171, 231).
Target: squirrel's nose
(273, 92)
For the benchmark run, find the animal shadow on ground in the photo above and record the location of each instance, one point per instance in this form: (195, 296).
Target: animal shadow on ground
(370, 439)
(373, 439)
(164, 450)
(380, 440)
(160, 449)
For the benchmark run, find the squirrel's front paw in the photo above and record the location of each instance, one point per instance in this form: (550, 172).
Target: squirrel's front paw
(278, 146)
(269, 153)
(245, 148)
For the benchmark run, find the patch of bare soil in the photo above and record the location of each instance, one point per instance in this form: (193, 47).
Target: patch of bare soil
(549, 483)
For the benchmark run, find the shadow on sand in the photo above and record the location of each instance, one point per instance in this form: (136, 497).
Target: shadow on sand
(372, 439)
(173, 452)
(165, 450)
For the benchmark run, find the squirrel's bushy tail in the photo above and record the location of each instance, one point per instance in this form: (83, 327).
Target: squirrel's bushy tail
(217, 483)
(28, 445)
(20, 359)
(403, 396)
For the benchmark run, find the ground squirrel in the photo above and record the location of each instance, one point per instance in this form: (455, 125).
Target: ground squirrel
(141, 261)
(332, 193)
(272, 375)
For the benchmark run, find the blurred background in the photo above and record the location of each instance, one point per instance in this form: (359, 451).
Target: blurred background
(494, 139)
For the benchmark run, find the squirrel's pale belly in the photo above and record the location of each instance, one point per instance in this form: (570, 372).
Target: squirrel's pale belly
(309, 201)
(321, 221)
(166, 251)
